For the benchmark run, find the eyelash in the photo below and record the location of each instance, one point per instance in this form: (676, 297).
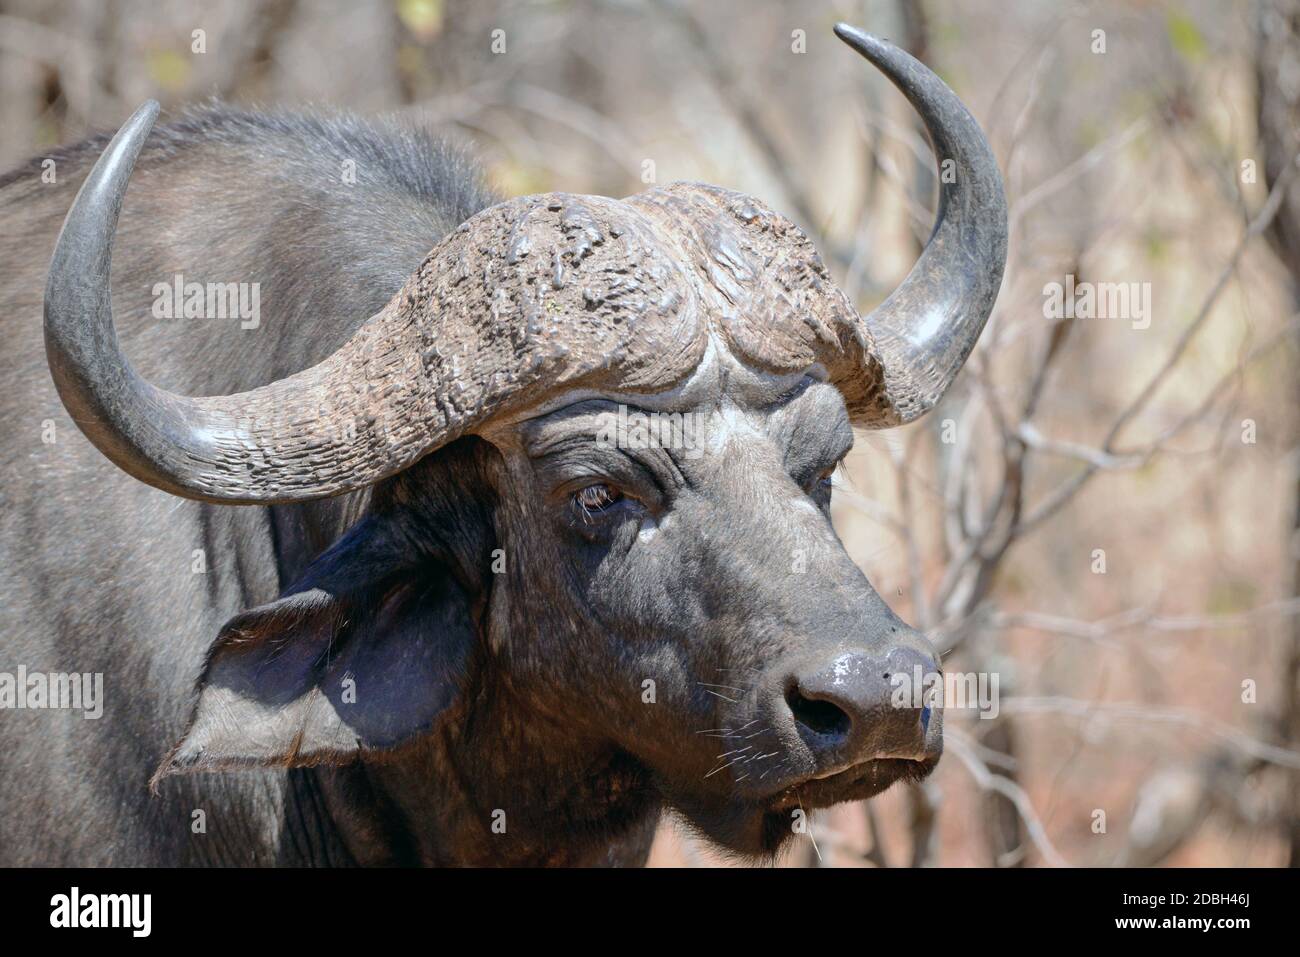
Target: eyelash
(594, 499)
(597, 498)
(824, 482)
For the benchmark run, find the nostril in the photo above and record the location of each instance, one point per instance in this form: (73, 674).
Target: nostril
(823, 717)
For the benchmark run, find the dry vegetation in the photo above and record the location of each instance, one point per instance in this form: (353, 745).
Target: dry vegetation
(1172, 448)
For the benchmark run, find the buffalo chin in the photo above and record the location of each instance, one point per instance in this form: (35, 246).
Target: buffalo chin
(760, 829)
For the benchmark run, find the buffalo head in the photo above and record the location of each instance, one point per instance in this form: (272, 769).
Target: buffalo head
(597, 437)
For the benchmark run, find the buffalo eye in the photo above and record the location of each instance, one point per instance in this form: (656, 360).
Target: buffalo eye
(822, 485)
(596, 498)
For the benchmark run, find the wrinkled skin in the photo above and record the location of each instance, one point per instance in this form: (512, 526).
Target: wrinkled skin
(537, 709)
(497, 636)
(689, 581)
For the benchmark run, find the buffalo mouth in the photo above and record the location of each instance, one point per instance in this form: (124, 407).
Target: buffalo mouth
(762, 827)
(852, 784)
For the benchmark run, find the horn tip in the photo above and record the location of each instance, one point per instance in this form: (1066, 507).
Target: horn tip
(868, 44)
(146, 113)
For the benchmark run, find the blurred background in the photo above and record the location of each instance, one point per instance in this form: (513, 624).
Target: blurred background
(1103, 511)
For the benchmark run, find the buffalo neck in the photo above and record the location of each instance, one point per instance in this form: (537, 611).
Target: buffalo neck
(496, 785)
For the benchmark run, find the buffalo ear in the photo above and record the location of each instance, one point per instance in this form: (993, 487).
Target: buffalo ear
(325, 673)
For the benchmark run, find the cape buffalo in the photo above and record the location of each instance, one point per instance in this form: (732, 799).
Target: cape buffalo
(471, 618)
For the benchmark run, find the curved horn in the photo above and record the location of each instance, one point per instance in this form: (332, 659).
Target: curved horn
(927, 327)
(220, 449)
(479, 328)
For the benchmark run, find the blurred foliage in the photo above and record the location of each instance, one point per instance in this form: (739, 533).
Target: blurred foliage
(1120, 166)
